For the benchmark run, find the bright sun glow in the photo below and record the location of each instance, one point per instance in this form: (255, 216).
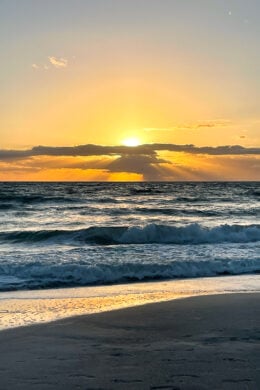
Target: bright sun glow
(133, 141)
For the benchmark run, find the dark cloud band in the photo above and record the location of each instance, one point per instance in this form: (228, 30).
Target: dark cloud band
(141, 150)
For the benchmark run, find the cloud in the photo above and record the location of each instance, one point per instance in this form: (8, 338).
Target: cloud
(57, 162)
(146, 165)
(121, 150)
(192, 126)
(58, 62)
(209, 150)
(145, 161)
(211, 124)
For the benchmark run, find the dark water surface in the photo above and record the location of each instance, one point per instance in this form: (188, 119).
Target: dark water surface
(74, 234)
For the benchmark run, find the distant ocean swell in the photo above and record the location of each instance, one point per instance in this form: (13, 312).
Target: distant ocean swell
(149, 234)
(139, 194)
(35, 275)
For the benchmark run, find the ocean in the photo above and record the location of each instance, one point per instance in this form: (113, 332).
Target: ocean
(80, 234)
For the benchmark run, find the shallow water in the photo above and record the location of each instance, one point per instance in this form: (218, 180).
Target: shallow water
(23, 308)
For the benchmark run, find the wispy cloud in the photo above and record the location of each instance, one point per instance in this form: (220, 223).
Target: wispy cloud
(53, 62)
(58, 62)
(212, 123)
(192, 126)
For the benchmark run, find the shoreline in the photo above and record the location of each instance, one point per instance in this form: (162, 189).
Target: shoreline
(203, 342)
(25, 308)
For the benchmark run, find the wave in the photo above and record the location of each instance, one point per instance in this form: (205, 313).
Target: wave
(147, 191)
(149, 234)
(35, 199)
(35, 275)
(256, 194)
(171, 211)
(6, 206)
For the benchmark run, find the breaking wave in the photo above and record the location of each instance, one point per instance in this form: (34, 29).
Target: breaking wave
(35, 275)
(149, 234)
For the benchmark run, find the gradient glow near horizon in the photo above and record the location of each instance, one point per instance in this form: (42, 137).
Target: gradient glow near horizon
(130, 72)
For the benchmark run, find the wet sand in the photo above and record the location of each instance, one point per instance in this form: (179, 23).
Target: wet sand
(207, 342)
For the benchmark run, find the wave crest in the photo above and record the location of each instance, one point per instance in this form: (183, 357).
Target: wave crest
(149, 234)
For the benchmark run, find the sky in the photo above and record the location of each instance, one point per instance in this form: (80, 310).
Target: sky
(172, 85)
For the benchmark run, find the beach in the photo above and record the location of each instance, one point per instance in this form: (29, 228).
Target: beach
(129, 195)
(204, 342)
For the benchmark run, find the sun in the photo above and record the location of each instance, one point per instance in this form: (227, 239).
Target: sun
(131, 141)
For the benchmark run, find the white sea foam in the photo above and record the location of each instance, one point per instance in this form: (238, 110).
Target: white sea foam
(37, 275)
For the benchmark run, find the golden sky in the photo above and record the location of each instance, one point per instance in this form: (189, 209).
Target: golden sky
(82, 72)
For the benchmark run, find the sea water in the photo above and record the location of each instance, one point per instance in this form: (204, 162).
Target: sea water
(80, 234)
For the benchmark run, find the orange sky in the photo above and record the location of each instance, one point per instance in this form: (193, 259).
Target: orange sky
(102, 72)
(132, 166)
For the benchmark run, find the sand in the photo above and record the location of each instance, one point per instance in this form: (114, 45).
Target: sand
(207, 342)
(20, 308)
